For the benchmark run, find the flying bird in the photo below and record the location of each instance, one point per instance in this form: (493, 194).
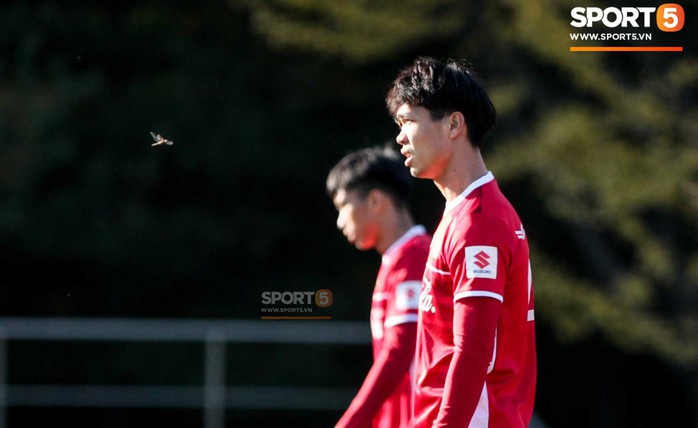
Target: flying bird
(159, 139)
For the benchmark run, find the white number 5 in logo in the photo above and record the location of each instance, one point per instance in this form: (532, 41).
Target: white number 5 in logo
(670, 17)
(323, 298)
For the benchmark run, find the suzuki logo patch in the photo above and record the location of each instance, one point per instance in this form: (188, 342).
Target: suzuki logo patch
(481, 259)
(407, 295)
(481, 262)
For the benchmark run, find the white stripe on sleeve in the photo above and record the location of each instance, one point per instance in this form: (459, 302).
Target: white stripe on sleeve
(400, 319)
(477, 293)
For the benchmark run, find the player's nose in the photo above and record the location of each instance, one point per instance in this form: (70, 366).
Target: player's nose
(401, 138)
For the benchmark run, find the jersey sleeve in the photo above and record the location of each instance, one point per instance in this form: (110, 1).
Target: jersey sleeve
(404, 285)
(478, 259)
(388, 370)
(475, 321)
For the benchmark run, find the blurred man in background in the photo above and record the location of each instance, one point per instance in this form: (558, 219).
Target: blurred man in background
(370, 190)
(476, 356)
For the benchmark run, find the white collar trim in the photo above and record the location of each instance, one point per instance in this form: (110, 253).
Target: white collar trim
(411, 233)
(474, 185)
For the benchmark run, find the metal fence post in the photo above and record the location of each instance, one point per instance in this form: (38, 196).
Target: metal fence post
(3, 380)
(214, 380)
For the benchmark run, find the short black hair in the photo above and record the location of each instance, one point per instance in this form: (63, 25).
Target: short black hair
(371, 168)
(444, 88)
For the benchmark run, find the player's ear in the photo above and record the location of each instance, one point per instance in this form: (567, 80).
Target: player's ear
(376, 199)
(456, 124)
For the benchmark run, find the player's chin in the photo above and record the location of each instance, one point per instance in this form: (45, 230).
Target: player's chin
(422, 172)
(361, 245)
(418, 172)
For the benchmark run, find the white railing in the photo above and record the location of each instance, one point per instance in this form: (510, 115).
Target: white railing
(213, 397)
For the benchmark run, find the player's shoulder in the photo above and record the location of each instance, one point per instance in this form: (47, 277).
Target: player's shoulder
(485, 217)
(494, 223)
(493, 208)
(494, 202)
(416, 248)
(419, 242)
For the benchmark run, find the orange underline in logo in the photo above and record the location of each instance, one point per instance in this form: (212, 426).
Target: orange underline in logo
(296, 318)
(626, 48)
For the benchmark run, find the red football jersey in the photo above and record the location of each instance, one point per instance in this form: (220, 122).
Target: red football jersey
(396, 301)
(478, 250)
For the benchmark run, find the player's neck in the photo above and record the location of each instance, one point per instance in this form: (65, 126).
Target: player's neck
(394, 229)
(463, 169)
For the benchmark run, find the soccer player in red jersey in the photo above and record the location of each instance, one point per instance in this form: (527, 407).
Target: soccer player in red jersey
(476, 355)
(370, 190)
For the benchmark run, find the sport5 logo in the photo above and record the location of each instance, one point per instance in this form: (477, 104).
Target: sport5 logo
(669, 17)
(321, 298)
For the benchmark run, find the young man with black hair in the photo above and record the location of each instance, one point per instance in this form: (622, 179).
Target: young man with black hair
(370, 189)
(475, 365)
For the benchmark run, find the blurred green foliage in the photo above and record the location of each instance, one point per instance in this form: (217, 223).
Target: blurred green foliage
(598, 152)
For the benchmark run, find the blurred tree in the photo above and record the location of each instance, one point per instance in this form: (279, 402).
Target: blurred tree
(357, 31)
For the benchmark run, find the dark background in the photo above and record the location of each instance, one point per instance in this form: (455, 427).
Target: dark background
(597, 151)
